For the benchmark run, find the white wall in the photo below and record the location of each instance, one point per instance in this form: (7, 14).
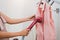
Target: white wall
(25, 8)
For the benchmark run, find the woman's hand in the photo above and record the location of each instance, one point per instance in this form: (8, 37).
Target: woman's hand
(24, 32)
(31, 17)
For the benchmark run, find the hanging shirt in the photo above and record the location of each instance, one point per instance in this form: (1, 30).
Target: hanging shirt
(2, 26)
(46, 29)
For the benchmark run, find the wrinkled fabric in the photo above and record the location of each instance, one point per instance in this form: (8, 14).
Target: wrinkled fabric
(2, 26)
(46, 29)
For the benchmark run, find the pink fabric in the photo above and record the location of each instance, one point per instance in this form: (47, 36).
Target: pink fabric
(46, 29)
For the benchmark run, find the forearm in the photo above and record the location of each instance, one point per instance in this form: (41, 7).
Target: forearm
(14, 34)
(15, 21)
(8, 34)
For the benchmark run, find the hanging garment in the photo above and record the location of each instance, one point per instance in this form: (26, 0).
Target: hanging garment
(44, 23)
(46, 29)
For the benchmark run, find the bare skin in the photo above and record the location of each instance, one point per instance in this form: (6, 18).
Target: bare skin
(13, 34)
(14, 21)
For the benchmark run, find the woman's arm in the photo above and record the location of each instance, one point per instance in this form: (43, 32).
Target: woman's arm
(15, 21)
(13, 34)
